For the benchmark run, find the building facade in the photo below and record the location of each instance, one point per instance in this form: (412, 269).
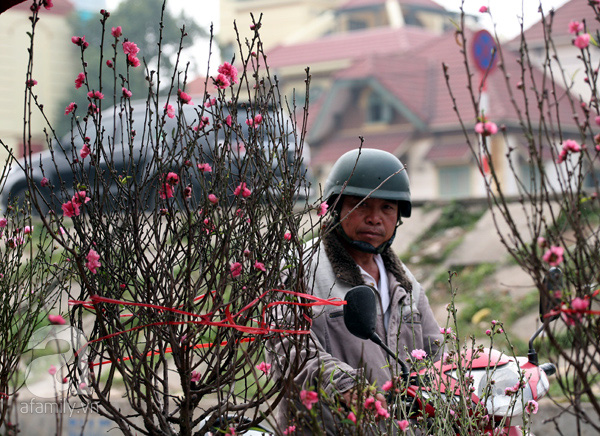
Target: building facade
(53, 55)
(377, 79)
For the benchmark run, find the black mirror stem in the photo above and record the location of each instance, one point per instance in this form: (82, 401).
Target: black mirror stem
(405, 373)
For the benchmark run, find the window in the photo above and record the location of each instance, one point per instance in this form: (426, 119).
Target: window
(378, 111)
(592, 179)
(454, 181)
(530, 177)
(356, 24)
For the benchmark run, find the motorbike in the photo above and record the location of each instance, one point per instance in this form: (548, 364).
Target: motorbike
(503, 385)
(500, 383)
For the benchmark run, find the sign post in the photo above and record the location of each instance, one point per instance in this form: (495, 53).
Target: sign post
(485, 56)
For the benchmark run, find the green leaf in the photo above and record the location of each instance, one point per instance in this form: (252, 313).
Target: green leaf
(455, 24)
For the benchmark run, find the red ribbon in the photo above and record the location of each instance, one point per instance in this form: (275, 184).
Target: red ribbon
(206, 319)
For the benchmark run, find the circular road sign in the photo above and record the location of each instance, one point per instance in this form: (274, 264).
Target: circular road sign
(484, 51)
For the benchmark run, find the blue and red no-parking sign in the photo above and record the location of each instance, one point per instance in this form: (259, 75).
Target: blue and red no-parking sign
(484, 51)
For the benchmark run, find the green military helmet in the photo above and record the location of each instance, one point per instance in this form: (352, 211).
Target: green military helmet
(374, 168)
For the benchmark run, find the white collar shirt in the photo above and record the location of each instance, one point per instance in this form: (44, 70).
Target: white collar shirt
(382, 287)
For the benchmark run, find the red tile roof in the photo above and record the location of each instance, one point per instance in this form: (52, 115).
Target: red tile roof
(455, 152)
(416, 79)
(199, 85)
(333, 148)
(350, 45)
(575, 10)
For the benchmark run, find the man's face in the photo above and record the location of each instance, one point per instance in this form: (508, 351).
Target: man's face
(373, 221)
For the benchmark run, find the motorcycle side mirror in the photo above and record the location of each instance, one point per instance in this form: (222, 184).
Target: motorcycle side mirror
(360, 312)
(360, 317)
(553, 281)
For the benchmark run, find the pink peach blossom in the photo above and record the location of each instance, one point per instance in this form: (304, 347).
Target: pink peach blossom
(512, 390)
(195, 376)
(126, 92)
(554, 256)
(575, 27)
(222, 81)
(56, 320)
(95, 95)
(322, 209)
(491, 128)
(264, 367)
(418, 354)
(116, 31)
(403, 425)
(309, 398)
(70, 108)
(79, 80)
(204, 121)
(582, 41)
(93, 261)
(133, 61)
(242, 190)
(166, 191)
(80, 41)
(172, 178)
(70, 209)
(80, 198)
(483, 9)
(229, 71)
(235, 269)
(205, 168)
(213, 198)
(531, 407)
(170, 111)
(381, 411)
(352, 417)
(486, 128)
(184, 97)
(260, 266)
(130, 48)
(580, 304)
(85, 151)
(52, 370)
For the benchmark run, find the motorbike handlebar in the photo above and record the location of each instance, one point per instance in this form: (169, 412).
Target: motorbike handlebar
(548, 368)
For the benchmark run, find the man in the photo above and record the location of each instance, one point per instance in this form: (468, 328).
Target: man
(368, 193)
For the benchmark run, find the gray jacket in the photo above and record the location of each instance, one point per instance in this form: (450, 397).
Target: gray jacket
(332, 272)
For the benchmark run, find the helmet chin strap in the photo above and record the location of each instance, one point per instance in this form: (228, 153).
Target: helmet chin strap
(365, 246)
